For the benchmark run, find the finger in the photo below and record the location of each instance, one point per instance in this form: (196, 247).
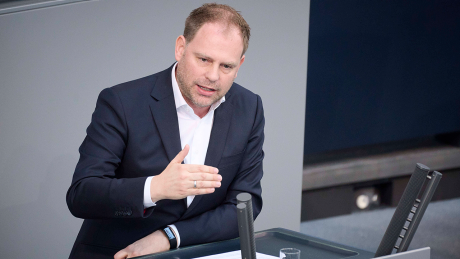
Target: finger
(207, 184)
(201, 169)
(201, 191)
(122, 254)
(181, 155)
(205, 177)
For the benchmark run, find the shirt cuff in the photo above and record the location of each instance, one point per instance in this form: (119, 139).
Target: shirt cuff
(176, 233)
(147, 198)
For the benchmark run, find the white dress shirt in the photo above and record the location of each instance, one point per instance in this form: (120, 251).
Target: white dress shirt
(194, 131)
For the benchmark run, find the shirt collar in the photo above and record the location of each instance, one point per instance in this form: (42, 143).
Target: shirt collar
(179, 99)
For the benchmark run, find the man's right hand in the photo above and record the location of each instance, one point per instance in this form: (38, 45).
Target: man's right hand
(177, 181)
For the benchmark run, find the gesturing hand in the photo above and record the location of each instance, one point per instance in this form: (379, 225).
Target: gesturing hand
(177, 181)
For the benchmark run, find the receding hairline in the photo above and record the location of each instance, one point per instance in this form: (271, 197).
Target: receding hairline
(216, 13)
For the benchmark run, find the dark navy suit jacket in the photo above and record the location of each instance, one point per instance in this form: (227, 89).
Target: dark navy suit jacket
(134, 133)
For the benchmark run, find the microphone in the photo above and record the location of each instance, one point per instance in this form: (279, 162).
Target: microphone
(246, 226)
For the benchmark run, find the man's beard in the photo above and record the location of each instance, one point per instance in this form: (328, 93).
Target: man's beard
(187, 92)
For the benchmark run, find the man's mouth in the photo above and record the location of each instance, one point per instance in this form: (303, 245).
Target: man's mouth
(206, 88)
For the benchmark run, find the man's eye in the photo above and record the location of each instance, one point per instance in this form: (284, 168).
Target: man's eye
(203, 59)
(227, 67)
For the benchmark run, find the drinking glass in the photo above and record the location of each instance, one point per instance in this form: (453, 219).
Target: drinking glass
(289, 253)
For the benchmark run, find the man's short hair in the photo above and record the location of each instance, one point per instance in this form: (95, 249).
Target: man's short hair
(210, 13)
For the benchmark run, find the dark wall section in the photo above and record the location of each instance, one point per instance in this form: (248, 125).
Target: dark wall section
(381, 71)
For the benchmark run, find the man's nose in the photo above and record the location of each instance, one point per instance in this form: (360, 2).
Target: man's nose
(213, 73)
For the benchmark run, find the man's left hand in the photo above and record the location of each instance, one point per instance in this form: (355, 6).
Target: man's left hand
(153, 243)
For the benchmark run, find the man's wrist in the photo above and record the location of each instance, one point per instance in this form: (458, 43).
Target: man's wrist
(176, 233)
(154, 189)
(171, 237)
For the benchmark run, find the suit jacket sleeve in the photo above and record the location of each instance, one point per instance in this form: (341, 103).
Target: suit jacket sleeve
(96, 192)
(221, 223)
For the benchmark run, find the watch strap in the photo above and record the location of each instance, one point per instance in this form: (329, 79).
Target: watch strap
(171, 237)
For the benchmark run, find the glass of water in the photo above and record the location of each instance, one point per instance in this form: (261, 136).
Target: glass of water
(289, 253)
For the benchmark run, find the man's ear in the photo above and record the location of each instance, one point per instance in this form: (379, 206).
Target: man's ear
(180, 47)
(241, 63)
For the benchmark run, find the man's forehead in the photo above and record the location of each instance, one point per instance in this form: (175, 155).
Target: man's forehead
(229, 31)
(219, 28)
(225, 28)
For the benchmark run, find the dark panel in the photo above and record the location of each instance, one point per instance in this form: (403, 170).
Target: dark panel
(381, 71)
(449, 185)
(327, 202)
(340, 200)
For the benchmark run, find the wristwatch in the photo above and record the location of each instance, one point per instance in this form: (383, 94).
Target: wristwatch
(171, 237)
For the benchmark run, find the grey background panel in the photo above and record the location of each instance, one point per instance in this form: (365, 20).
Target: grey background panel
(55, 61)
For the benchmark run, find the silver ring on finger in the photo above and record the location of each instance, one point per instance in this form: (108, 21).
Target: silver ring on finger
(194, 184)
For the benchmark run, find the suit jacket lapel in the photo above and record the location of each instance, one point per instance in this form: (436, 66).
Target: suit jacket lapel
(222, 119)
(164, 113)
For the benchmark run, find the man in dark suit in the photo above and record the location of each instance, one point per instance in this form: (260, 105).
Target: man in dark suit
(166, 155)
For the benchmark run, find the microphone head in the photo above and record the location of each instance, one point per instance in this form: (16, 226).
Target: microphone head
(243, 197)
